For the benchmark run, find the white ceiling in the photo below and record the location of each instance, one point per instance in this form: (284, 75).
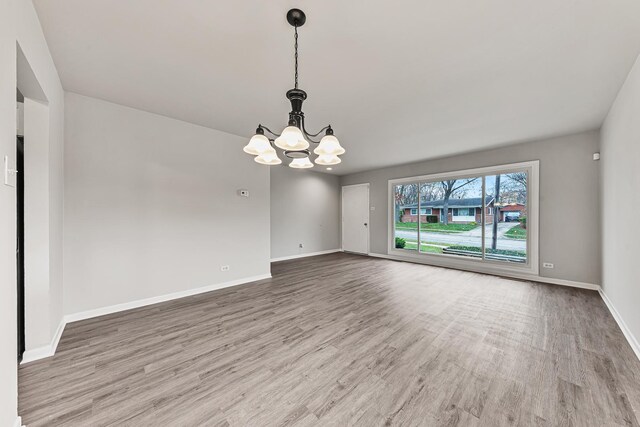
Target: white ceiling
(399, 81)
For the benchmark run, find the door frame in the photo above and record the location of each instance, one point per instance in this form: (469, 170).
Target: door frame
(20, 246)
(366, 184)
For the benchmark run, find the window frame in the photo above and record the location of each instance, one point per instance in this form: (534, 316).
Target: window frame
(469, 212)
(477, 264)
(411, 212)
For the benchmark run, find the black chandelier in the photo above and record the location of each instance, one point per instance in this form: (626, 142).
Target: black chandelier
(294, 139)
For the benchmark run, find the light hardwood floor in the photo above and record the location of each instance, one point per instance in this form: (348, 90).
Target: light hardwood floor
(345, 340)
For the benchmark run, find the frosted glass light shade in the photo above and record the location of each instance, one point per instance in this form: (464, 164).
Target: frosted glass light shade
(268, 157)
(303, 163)
(329, 145)
(291, 139)
(257, 145)
(328, 160)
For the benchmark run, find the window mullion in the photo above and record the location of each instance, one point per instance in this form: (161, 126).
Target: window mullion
(419, 245)
(483, 216)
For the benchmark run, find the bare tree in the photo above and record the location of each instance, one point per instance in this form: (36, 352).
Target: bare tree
(449, 187)
(514, 188)
(520, 177)
(430, 191)
(404, 194)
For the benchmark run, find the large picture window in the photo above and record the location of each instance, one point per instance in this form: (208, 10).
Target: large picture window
(487, 215)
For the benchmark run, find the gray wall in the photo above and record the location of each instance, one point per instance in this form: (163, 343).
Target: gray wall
(305, 208)
(569, 217)
(620, 205)
(151, 206)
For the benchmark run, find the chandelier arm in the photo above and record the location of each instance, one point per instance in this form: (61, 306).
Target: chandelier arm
(269, 130)
(311, 135)
(315, 134)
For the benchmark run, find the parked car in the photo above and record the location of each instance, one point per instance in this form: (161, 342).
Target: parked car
(511, 216)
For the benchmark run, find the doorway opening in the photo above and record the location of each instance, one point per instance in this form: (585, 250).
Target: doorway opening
(32, 189)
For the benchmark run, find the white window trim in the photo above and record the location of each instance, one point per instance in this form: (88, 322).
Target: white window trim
(456, 212)
(531, 267)
(427, 211)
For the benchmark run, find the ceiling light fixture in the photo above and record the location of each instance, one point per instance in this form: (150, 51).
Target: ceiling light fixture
(294, 139)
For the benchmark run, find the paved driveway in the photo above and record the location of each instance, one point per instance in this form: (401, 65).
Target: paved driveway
(468, 238)
(503, 227)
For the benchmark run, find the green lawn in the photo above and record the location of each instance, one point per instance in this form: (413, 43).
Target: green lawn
(437, 248)
(436, 227)
(516, 232)
(423, 248)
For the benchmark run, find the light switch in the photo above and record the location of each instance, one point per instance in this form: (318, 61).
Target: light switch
(9, 174)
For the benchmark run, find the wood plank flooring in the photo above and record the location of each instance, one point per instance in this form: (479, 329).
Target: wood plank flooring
(345, 340)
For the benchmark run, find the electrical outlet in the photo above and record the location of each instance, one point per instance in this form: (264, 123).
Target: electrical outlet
(547, 265)
(373, 208)
(301, 245)
(224, 268)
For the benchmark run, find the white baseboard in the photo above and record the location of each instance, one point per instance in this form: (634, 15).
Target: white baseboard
(162, 298)
(18, 422)
(285, 258)
(512, 275)
(49, 350)
(570, 283)
(633, 342)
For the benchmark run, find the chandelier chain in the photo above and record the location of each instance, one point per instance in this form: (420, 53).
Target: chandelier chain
(296, 56)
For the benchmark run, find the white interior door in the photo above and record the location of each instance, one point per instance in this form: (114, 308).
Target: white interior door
(355, 218)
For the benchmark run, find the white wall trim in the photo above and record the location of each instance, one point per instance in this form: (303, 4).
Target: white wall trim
(161, 298)
(49, 350)
(18, 422)
(46, 350)
(478, 269)
(570, 283)
(633, 342)
(285, 258)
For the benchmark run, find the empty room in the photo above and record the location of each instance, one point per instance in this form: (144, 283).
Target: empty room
(275, 213)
